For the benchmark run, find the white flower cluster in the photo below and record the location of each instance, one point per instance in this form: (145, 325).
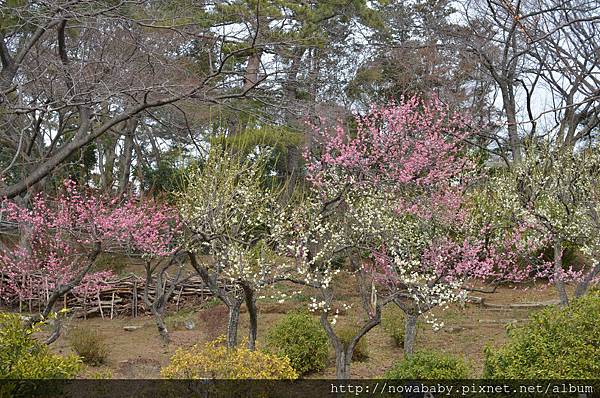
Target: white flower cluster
(230, 212)
(315, 305)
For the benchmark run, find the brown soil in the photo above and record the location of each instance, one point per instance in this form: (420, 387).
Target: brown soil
(141, 354)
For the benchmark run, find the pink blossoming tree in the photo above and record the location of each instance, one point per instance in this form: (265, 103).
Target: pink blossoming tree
(66, 234)
(409, 168)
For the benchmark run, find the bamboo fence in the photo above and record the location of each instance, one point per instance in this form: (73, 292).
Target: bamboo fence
(122, 296)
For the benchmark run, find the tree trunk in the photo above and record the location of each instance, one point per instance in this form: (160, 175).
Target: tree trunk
(157, 308)
(61, 290)
(511, 118)
(558, 274)
(233, 321)
(162, 327)
(584, 284)
(342, 364)
(292, 161)
(55, 331)
(238, 122)
(107, 153)
(25, 230)
(293, 118)
(251, 305)
(410, 333)
(125, 163)
(64, 289)
(161, 292)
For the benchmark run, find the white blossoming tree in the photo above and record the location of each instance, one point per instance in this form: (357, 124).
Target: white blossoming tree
(323, 233)
(228, 208)
(555, 193)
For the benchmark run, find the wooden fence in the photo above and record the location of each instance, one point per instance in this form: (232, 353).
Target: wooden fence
(121, 296)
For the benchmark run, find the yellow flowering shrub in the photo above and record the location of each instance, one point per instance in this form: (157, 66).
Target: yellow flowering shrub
(214, 360)
(24, 357)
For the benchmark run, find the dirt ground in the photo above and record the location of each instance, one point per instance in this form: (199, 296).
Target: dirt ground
(468, 329)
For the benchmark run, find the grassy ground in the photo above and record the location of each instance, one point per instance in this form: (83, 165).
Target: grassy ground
(140, 353)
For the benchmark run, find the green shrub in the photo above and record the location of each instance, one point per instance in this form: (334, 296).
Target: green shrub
(302, 339)
(429, 365)
(23, 357)
(213, 360)
(393, 324)
(89, 345)
(557, 343)
(361, 350)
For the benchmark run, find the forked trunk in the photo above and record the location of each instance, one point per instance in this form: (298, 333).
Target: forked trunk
(343, 353)
(342, 360)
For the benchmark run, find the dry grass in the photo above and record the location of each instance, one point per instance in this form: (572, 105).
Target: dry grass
(89, 345)
(141, 354)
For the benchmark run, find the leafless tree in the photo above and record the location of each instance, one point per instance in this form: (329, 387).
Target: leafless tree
(163, 289)
(543, 57)
(77, 71)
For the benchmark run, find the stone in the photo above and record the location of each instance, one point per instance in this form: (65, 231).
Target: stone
(453, 329)
(501, 321)
(474, 300)
(189, 324)
(131, 328)
(536, 305)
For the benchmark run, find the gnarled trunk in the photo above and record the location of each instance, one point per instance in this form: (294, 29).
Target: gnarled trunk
(55, 331)
(233, 321)
(410, 333)
(250, 298)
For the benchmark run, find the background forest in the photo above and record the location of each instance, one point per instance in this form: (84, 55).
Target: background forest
(372, 162)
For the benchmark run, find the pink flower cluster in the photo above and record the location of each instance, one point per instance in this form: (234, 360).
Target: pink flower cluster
(415, 144)
(417, 151)
(58, 235)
